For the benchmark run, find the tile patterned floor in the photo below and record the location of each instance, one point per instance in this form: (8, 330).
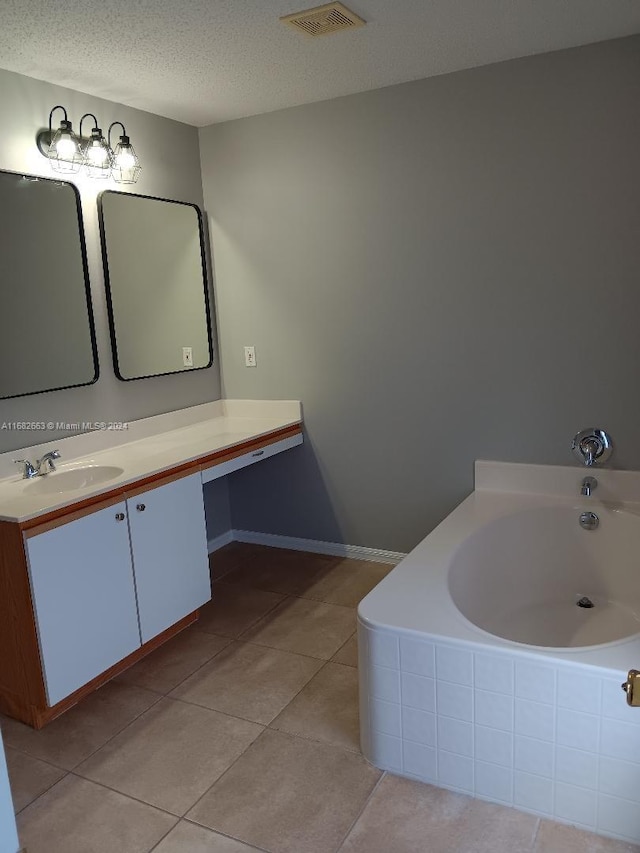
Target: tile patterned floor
(241, 734)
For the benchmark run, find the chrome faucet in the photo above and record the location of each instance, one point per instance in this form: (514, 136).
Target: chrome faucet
(28, 471)
(42, 466)
(45, 465)
(588, 485)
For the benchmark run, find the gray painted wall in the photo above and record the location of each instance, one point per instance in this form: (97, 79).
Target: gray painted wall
(442, 271)
(171, 169)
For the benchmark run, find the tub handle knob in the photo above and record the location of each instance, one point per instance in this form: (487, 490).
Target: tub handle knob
(592, 446)
(632, 688)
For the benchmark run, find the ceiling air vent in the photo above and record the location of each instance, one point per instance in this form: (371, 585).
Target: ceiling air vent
(322, 20)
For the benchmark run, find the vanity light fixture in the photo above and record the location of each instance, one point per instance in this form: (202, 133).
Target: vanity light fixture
(97, 156)
(63, 151)
(126, 166)
(69, 153)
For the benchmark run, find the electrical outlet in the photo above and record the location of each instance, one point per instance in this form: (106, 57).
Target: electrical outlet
(187, 356)
(250, 357)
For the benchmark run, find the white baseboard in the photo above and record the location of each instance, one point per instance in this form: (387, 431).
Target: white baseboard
(317, 546)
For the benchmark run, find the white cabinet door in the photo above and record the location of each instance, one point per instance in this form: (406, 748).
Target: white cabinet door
(170, 559)
(84, 598)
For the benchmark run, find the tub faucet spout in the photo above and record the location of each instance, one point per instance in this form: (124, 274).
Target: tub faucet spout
(588, 485)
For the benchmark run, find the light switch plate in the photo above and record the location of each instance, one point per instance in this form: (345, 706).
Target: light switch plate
(250, 357)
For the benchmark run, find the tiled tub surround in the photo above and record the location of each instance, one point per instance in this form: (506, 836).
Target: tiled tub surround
(144, 448)
(544, 730)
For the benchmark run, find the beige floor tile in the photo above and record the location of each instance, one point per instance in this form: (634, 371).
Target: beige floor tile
(249, 681)
(308, 627)
(29, 777)
(347, 582)
(289, 795)
(406, 817)
(78, 733)
(348, 654)
(76, 816)
(171, 755)
(168, 666)
(281, 570)
(189, 838)
(233, 609)
(558, 838)
(326, 709)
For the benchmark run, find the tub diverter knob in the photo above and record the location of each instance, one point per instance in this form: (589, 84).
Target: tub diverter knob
(632, 688)
(592, 446)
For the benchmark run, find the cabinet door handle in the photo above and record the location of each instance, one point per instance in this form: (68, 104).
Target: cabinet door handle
(258, 453)
(119, 516)
(141, 507)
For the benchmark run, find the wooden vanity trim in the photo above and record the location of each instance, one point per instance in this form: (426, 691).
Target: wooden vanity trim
(21, 680)
(95, 503)
(248, 446)
(50, 523)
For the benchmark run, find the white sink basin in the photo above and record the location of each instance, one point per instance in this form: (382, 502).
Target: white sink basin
(73, 478)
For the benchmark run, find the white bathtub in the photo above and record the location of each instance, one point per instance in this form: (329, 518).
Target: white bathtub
(530, 576)
(479, 672)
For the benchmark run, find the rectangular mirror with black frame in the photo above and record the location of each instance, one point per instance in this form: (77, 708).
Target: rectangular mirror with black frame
(155, 273)
(47, 333)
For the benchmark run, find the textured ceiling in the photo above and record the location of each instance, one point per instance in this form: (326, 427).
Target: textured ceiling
(205, 61)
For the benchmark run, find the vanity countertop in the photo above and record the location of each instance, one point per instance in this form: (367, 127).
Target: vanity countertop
(142, 449)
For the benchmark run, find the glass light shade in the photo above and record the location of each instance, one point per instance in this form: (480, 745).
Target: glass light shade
(64, 152)
(126, 167)
(98, 159)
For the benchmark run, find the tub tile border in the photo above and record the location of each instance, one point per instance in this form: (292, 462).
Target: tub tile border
(588, 734)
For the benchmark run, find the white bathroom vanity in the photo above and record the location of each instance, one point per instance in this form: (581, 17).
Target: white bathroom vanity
(105, 558)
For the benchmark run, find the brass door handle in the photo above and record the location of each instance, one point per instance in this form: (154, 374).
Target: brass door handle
(632, 688)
